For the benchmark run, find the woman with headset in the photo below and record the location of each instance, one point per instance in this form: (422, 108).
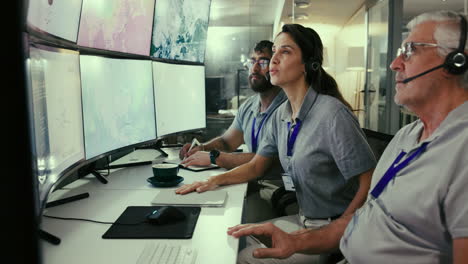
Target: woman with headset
(322, 149)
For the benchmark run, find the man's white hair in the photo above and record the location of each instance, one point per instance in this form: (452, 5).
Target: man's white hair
(446, 34)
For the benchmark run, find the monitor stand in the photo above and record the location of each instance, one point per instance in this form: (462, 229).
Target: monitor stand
(99, 176)
(157, 146)
(48, 237)
(162, 152)
(54, 240)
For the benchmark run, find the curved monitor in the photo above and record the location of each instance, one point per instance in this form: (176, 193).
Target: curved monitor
(179, 93)
(118, 103)
(54, 80)
(180, 30)
(117, 25)
(59, 18)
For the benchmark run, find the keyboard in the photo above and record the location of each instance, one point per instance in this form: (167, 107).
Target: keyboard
(161, 253)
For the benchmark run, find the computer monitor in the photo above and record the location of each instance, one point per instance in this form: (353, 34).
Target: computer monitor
(58, 18)
(179, 92)
(57, 126)
(180, 30)
(118, 103)
(117, 25)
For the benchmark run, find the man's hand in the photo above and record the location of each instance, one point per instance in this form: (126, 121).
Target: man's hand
(197, 187)
(200, 158)
(282, 243)
(184, 151)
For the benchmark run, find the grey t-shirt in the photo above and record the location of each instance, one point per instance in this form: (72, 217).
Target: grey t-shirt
(329, 151)
(424, 207)
(249, 110)
(243, 121)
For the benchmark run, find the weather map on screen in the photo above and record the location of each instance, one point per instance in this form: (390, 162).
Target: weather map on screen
(180, 30)
(59, 18)
(56, 103)
(179, 101)
(117, 25)
(118, 103)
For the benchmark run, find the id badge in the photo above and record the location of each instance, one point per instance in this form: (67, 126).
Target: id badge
(288, 182)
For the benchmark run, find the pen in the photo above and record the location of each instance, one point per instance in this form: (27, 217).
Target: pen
(194, 143)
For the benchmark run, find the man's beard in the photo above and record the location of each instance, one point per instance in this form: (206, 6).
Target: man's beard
(259, 85)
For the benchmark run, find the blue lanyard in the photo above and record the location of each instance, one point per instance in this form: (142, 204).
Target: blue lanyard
(394, 169)
(255, 135)
(292, 137)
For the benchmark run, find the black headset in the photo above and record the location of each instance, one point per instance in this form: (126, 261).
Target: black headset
(456, 61)
(311, 65)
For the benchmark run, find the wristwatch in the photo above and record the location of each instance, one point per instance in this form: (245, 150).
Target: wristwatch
(214, 154)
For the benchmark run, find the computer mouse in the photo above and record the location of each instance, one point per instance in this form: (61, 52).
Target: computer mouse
(164, 215)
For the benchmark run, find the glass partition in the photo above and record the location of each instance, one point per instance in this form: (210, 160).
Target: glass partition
(350, 72)
(377, 64)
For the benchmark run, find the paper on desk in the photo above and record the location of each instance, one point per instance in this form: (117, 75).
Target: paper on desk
(193, 167)
(215, 198)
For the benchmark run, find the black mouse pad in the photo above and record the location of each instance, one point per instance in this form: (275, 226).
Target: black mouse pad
(139, 228)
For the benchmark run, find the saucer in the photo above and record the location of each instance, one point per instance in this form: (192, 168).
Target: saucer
(157, 183)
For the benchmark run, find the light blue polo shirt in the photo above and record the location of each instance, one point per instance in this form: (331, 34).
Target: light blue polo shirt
(330, 150)
(424, 207)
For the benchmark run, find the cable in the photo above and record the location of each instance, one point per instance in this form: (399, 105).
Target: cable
(89, 220)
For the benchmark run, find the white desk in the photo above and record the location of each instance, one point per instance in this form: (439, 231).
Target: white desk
(82, 241)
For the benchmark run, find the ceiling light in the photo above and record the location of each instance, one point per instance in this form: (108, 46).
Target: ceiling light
(301, 3)
(299, 16)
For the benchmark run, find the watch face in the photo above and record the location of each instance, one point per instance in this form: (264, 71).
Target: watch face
(213, 155)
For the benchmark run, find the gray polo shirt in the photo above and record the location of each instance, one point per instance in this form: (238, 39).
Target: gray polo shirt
(329, 151)
(421, 211)
(249, 110)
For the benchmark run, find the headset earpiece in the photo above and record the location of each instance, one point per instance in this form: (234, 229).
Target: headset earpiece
(456, 61)
(311, 65)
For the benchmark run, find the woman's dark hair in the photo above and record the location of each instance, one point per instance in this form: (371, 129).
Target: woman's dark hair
(312, 56)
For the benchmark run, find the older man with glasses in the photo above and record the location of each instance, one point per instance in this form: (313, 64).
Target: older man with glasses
(248, 127)
(417, 210)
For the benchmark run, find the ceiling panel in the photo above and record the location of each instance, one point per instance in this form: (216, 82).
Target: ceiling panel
(412, 8)
(330, 12)
(243, 12)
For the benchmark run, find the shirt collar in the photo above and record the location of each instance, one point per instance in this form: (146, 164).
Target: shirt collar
(411, 142)
(307, 103)
(278, 100)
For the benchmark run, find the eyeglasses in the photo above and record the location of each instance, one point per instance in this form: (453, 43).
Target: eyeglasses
(408, 48)
(262, 62)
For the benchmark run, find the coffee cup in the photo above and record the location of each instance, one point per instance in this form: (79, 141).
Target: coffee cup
(165, 172)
